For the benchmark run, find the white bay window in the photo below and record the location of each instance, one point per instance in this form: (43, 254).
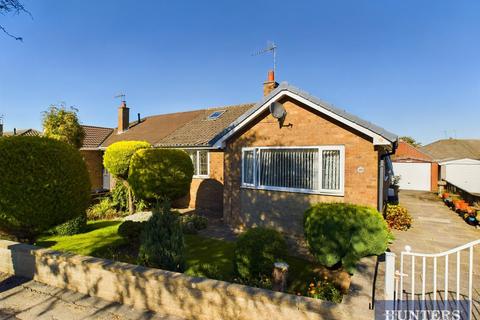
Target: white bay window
(200, 160)
(318, 169)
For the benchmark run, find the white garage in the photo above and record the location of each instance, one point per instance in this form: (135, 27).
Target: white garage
(413, 175)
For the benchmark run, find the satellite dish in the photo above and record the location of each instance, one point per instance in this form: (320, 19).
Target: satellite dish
(277, 110)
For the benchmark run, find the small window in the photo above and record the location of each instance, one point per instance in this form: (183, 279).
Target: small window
(200, 160)
(297, 169)
(215, 115)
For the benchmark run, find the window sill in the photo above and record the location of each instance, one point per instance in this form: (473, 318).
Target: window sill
(279, 189)
(201, 177)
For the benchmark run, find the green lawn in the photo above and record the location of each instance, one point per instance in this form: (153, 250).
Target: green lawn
(101, 240)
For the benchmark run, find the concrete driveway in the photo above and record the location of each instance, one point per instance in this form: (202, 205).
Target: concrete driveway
(435, 229)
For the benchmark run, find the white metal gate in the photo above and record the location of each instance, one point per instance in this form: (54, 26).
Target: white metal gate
(442, 276)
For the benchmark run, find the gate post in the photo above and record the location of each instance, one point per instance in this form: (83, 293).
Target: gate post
(389, 276)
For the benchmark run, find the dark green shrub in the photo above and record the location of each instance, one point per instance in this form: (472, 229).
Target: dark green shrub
(397, 217)
(43, 183)
(131, 230)
(71, 227)
(104, 210)
(162, 243)
(160, 173)
(256, 251)
(191, 223)
(118, 155)
(344, 233)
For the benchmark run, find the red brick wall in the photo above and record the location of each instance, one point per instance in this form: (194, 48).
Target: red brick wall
(207, 194)
(94, 162)
(302, 127)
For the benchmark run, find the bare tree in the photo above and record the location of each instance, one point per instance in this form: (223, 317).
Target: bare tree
(11, 7)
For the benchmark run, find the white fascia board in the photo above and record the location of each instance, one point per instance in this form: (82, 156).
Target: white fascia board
(377, 139)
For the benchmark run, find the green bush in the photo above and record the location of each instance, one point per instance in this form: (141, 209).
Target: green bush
(43, 183)
(71, 227)
(162, 243)
(397, 217)
(160, 173)
(324, 290)
(119, 196)
(256, 251)
(344, 233)
(191, 223)
(131, 230)
(104, 210)
(118, 155)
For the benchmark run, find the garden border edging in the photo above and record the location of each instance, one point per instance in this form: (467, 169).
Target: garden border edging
(158, 290)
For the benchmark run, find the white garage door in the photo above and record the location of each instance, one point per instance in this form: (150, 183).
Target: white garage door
(413, 176)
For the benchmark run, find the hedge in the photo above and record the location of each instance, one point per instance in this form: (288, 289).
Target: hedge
(339, 233)
(118, 155)
(160, 173)
(256, 251)
(44, 183)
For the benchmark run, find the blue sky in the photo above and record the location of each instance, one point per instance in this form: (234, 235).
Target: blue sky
(412, 67)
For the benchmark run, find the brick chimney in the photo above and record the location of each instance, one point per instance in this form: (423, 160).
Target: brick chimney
(123, 117)
(270, 84)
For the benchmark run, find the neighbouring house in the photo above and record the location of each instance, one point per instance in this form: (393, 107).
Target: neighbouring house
(417, 170)
(459, 162)
(264, 164)
(21, 132)
(93, 156)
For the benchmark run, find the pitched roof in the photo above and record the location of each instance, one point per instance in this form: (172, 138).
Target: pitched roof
(286, 87)
(406, 152)
(94, 136)
(23, 132)
(154, 128)
(451, 149)
(200, 131)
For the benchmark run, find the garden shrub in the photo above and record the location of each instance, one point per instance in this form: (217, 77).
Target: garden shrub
(104, 210)
(119, 196)
(191, 223)
(160, 173)
(397, 217)
(71, 227)
(118, 155)
(343, 233)
(162, 243)
(324, 290)
(131, 230)
(44, 183)
(256, 251)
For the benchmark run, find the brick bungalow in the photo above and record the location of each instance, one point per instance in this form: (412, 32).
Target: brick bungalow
(261, 169)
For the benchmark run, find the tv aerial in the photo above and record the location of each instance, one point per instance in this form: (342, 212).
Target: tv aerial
(271, 47)
(120, 95)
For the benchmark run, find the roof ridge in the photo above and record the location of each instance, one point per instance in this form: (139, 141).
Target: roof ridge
(99, 127)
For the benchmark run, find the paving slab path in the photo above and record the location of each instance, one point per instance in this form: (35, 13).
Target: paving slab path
(28, 300)
(435, 229)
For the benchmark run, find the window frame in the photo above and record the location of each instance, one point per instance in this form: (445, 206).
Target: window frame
(197, 164)
(319, 190)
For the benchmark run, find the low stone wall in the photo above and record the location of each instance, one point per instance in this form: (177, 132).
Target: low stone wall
(158, 290)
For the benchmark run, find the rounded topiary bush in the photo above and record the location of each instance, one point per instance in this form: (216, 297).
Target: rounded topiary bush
(256, 251)
(43, 183)
(343, 233)
(118, 155)
(160, 173)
